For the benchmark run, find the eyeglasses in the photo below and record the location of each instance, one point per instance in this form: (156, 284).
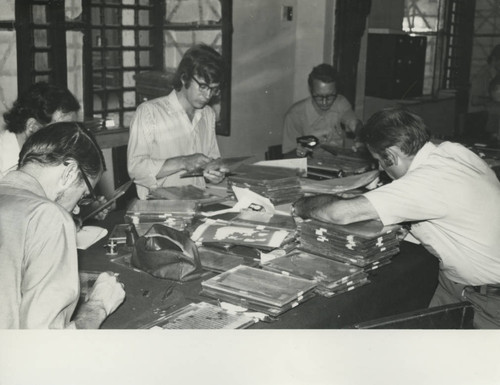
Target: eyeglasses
(204, 87)
(91, 197)
(325, 98)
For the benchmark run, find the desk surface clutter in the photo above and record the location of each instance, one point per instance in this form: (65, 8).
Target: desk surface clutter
(261, 269)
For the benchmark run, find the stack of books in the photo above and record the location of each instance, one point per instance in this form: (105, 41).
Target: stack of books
(367, 244)
(279, 184)
(332, 277)
(260, 290)
(177, 214)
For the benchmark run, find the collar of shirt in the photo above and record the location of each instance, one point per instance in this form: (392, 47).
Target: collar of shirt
(422, 155)
(20, 179)
(177, 106)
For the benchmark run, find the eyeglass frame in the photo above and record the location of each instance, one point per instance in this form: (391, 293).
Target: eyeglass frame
(93, 197)
(203, 87)
(321, 98)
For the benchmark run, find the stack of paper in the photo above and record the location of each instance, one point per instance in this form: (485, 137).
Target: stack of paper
(279, 184)
(259, 290)
(332, 277)
(338, 185)
(339, 160)
(177, 214)
(367, 244)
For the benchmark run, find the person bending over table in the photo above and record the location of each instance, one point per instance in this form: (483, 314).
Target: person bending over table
(39, 282)
(38, 106)
(322, 114)
(176, 133)
(448, 194)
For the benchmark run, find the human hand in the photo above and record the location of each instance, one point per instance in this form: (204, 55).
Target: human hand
(194, 161)
(302, 151)
(107, 292)
(102, 214)
(215, 172)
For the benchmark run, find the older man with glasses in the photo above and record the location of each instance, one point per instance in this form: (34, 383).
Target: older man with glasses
(176, 133)
(325, 114)
(39, 285)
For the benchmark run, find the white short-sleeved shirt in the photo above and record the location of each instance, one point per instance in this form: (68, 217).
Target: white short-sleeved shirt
(454, 198)
(303, 119)
(9, 152)
(161, 130)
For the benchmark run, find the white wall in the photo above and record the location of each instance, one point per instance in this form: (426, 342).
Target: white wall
(271, 61)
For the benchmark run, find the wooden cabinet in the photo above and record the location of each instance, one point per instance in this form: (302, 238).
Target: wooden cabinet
(395, 65)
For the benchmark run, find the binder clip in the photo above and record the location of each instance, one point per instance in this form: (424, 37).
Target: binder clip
(111, 248)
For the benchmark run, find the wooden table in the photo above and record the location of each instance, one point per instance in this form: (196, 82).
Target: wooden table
(406, 284)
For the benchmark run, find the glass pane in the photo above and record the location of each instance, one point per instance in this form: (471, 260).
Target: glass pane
(128, 17)
(97, 103)
(112, 38)
(129, 99)
(72, 9)
(96, 38)
(8, 11)
(128, 59)
(113, 79)
(111, 16)
(128, 79)
(421, 16)
(144, 17)
(144, 2)
(40, 37)
(42, 78)
(41, 61)
(144, 38)
(128, 38)
(8, 70)
(112, 58)
(38, 14)
(95, 16)
(144, 58)
(193, 11)
(128, 2)
(74, 49)
(127, 118)
(430, 57)
(178, 42)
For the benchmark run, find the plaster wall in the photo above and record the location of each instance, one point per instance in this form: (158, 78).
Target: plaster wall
(271, 60)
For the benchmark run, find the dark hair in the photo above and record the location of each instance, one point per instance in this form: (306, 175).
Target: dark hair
(39, 102)
(495, 54)
(323, 72)
(202, 61)
(62, 141)
(395, 127)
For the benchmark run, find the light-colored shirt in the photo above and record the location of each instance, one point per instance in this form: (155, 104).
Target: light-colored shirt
(9, 152)
(303, 119)
(39, 284)
(160, 130)
(454, 197)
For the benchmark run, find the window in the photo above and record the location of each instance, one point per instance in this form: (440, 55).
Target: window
(109, 42)
(447, 24)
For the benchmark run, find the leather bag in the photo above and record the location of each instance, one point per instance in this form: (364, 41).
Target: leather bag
(167, 253)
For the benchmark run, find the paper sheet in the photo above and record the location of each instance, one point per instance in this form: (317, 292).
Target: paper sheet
(89, 235)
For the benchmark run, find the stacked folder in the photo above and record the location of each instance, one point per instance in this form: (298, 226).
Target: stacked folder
(177, 214)
(219, 232)
(280, 185)
(332, 277)
(264, 291)
(367, 244)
